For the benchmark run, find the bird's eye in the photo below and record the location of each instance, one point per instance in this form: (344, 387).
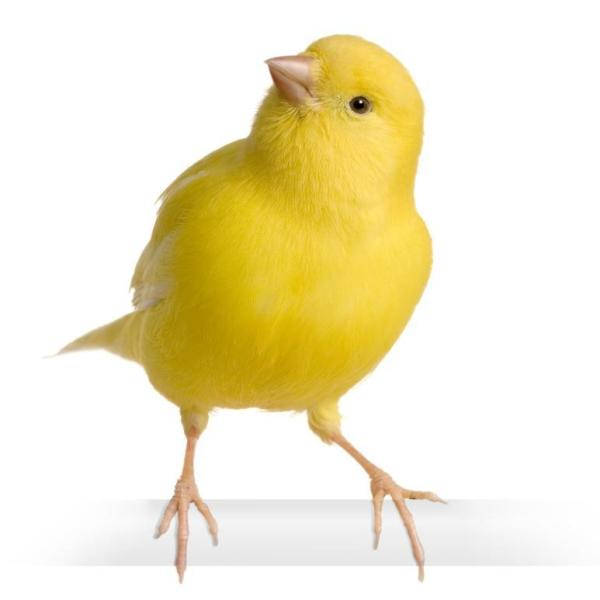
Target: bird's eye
(360, 105)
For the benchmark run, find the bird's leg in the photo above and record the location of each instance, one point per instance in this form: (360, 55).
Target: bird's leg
(185, 494)
(382, 484)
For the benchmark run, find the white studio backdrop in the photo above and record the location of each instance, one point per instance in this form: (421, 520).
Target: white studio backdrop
(492, 390)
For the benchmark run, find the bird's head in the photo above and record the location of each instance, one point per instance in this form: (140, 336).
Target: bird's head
(345, 109)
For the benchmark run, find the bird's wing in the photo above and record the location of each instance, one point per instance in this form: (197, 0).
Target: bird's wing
(152, 278)
(151, 282)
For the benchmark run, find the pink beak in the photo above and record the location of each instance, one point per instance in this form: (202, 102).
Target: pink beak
(292, 77)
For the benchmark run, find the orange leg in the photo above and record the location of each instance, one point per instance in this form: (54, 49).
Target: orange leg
(382, 484)
(185, 494)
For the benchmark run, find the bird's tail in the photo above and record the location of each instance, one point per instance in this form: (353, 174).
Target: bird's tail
(120, 337)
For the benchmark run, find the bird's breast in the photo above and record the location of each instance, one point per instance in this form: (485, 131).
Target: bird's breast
(285, 319)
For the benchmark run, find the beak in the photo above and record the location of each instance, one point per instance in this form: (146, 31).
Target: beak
(292, 77)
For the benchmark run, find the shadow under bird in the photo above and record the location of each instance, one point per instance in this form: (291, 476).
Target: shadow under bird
(283, 266)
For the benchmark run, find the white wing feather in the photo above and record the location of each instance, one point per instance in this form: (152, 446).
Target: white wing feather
(151, 280)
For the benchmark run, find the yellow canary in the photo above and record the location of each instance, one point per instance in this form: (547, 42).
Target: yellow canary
(283, 266)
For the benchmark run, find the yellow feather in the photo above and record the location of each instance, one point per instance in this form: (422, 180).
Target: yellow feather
(283, 266)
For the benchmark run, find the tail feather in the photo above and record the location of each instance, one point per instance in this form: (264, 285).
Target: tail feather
(120, 337)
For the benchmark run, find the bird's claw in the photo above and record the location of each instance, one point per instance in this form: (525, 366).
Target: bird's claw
(185, 494)
(381, 485)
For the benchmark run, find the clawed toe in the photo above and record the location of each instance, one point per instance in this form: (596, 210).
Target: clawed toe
(185, 494)
(381, 485)
(413, 495)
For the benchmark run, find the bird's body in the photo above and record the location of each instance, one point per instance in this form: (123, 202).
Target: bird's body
(257, 310)
(283, 266)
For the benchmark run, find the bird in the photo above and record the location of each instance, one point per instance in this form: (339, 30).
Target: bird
(283, 266)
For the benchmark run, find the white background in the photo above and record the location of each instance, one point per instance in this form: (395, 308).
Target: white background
(492, 390)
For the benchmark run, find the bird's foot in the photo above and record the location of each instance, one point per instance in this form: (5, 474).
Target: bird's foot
(382, 484)
(185, 494)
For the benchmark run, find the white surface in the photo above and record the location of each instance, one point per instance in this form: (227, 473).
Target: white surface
(492, 390)
(320, 532)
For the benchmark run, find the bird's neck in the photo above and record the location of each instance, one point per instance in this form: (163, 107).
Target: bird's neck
(321, 183)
